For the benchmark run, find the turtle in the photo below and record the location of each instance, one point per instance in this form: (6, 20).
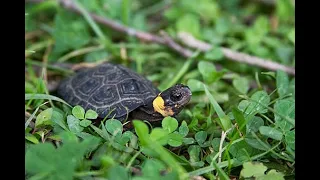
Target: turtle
(115, 91)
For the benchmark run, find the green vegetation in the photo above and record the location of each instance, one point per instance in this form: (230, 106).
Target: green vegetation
(240, 122)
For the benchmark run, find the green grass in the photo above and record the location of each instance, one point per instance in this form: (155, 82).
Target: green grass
(239, 123)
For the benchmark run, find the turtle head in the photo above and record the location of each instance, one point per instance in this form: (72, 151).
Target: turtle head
(171, 101)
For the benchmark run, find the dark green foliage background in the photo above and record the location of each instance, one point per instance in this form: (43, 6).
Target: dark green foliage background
(239, 123)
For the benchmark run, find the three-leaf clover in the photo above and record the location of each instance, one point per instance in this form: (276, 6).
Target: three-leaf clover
(80, 119)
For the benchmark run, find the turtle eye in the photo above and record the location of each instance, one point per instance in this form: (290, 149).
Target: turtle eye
(175, 96)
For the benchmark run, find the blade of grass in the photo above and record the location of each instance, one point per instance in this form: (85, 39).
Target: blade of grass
(156, 7)
(88, 173)
(221, 173)
(210, 168)
(79, 52)
(132, 159)
(125, 11)
(223, 118)
(48, 66)
(182, 71)
(100, 132)
(44, 96)
(44, 70)
(91, 22)
(40, 176)
(37, 47)
(32, 115)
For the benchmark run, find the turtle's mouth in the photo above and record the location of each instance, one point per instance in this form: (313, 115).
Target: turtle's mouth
(171, 101)
(159, 106)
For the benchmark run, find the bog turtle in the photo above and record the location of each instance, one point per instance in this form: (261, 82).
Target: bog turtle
(116, 91)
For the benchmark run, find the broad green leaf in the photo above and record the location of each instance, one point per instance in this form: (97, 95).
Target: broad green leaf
(152, 168)
(252, 169)
(284, 108)
(243, 105)
(194, 151)
(78, 112)
(208, 72)
(74, 124)
(241, 121)
(169, 123)
(241, 84)
(285, 54)
(257, 144)
(84, 135)
(290, 139)
(172, 13)
(285, 10)
(59, 162)
(223, 25)
(258, 103)
(160, 135)
(195, 85)
(201, 136)
(44, 117)
(183, 129)
(55, 137)
(68, 137)
(271, 132)
(72, 143)
(114, 127)
(126, 137)
(272, 174)
(42, 158)
(254, 35)
(215, 143)
(292, 87)
(175, 139)
(291, 35)
(254, 124)
(57, 118)
(212, 37)
(193, 123)
(241, 151)
(90, 114)
(107, 161)
(142, 131)
(85, 123)
(118, 172)
(31, 138)
(197, 164)
(282, 80)
(214, 54)
(188, 141)
(189, 23)
(69, 33)
(208, 10)
(205, 144)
